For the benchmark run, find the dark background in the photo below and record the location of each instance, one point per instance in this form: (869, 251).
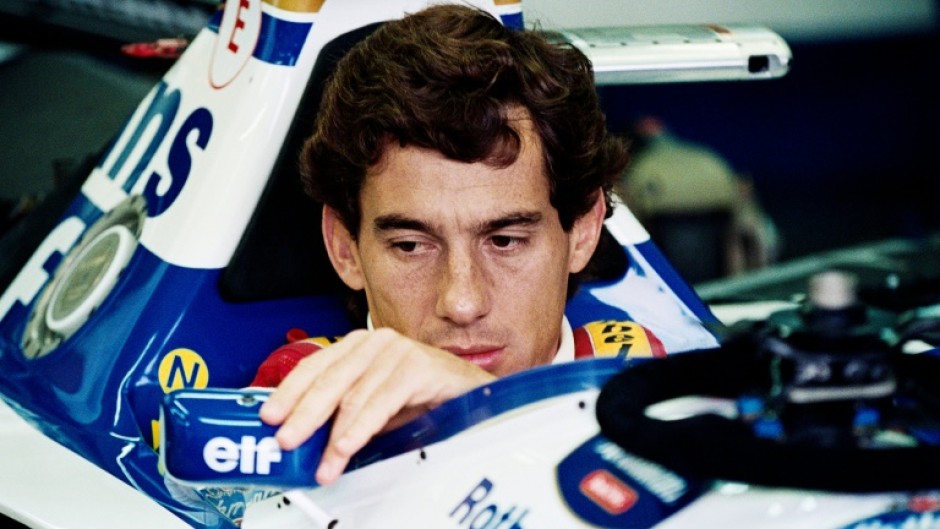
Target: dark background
(842, 150)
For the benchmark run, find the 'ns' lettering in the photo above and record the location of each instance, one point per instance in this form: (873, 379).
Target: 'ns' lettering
(147, 134)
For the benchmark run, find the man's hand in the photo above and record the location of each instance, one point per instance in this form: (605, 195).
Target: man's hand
(371, 381)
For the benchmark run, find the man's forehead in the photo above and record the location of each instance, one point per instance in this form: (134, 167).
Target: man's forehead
(432, 177)
(424, 187)
(469, 195)
(516, 116)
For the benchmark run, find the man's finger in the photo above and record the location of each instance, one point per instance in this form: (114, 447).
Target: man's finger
(405, 382)
(382, 396)
(308, 396)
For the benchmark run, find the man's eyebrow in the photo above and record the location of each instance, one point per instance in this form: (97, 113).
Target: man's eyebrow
(401, 222)
(525, 218)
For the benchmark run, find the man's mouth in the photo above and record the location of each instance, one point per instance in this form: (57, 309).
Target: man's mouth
(485, 357)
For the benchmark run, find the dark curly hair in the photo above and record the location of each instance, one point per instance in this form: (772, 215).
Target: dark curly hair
(444, 78)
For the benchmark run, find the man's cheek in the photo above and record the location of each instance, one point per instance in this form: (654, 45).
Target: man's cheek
(401, 301)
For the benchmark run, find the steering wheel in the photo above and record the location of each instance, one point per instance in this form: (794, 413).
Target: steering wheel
(827, 396)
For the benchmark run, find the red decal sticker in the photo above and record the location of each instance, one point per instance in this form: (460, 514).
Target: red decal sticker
(611, 494)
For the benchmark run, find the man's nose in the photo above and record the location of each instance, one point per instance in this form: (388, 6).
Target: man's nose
(464, 288)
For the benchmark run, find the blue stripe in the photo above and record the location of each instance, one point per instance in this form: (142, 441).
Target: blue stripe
(512, 20)
(279, 42)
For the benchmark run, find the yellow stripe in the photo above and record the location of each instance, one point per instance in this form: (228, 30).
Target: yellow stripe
(298, 6)
(155, 431)
(506, 2)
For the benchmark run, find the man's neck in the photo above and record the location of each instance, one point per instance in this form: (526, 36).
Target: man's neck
(566, 343)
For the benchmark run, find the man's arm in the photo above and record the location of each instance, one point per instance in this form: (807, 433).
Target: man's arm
(368, 382)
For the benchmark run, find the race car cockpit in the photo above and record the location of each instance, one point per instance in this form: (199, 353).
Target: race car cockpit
(190, 251)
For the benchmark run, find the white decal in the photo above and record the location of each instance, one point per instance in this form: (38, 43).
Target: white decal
(251, 456)
(238, 36)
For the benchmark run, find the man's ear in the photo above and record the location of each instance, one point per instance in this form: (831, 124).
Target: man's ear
(585, 234)
(342, 249)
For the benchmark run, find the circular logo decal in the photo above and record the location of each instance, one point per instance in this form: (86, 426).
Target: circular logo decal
(236, 41)
(183, 368)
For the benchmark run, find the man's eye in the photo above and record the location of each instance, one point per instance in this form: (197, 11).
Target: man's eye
(506, 241)
(405, 246)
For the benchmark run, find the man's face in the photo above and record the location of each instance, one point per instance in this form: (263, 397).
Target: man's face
(465, 257)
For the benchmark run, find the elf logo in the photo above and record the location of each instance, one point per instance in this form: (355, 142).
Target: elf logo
(235, 44)
(250, 456)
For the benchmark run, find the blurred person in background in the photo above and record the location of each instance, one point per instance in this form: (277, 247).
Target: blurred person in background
(703, 215)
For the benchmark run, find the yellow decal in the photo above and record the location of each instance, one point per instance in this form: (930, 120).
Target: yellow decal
(183, 368)
(618, 338)
(297, 6)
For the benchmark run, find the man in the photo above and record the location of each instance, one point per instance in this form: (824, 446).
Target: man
(703, 215)
(464, 170)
